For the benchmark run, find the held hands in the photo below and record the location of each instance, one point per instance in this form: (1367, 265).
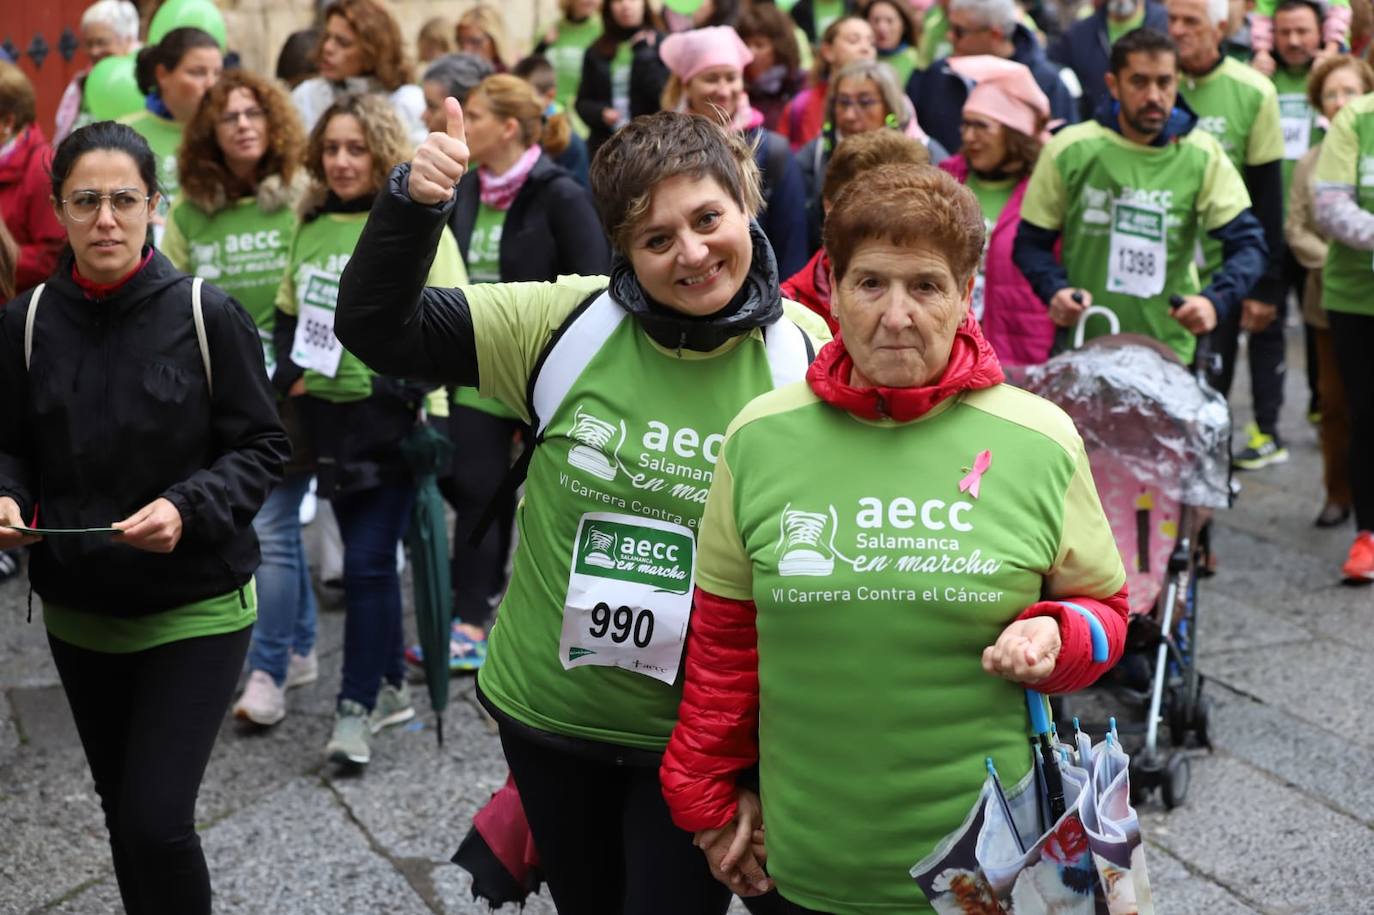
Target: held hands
(1068, 306)
(1255, 315)
(9, 514)
(1026, 651)
(156, 527)
(441, 160)
(736, 852)
(1196, 313)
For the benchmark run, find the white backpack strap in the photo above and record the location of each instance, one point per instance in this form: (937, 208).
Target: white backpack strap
(28, 324)
(198, 314)
(789, 351)
(570, 354)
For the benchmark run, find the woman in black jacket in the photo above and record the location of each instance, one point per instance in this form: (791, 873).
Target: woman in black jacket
(136, 408)
(622, 76)
(518, 218)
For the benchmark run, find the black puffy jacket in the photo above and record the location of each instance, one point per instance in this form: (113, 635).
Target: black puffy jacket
(115, 412)
(551, 228)
(648, 76)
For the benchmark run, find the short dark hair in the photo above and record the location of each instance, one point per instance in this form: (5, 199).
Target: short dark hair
(1141, 41)
(650, 150)
(168, 52)
(764, 20)
(103, 135)
(537, 71)
(1287, 6)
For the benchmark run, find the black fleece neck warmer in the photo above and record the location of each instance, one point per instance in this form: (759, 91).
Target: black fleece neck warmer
(757, 304)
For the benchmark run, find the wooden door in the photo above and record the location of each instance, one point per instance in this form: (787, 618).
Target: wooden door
(42, 38)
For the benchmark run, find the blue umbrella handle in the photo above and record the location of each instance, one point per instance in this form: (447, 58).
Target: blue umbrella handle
(1035, 703)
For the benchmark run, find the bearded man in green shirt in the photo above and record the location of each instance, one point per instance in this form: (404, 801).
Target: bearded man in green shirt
(1238, 106)
(1132, 192)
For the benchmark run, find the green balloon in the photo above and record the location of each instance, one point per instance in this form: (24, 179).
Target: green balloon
(111, 90)
(197, 14)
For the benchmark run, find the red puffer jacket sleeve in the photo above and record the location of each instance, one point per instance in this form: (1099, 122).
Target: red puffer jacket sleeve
(717, 729)
(1075, 669)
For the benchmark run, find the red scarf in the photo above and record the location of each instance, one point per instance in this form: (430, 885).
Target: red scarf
(972, 365)
(96, 290)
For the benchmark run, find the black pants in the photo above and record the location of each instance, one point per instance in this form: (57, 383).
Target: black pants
(1353, 338)
(482, 445)
(773, 904)
(1266, 366)
(147, 722)
(606, 843)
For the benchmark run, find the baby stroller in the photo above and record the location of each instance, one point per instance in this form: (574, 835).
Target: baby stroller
(1158, 441)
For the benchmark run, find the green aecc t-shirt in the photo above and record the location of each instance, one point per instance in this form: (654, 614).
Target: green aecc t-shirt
(1347, 158)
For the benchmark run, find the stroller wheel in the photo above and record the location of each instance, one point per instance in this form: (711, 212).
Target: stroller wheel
(1144, 774)
(1174, 783)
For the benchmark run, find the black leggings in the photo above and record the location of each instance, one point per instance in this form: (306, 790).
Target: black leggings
(482, 445)
(606, 843)
(1353, 338)
(147, 721)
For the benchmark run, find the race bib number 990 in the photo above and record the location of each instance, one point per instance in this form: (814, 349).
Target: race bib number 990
(1138, 252)
(629, 595)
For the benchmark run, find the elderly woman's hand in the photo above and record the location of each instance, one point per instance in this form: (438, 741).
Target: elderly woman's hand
(156, 527)
(441, 160)
(735, 852)
(1025, 652)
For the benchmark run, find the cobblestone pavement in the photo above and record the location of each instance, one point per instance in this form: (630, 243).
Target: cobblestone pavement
(1278, 820)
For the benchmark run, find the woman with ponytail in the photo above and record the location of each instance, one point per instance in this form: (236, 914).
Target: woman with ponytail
(174, 74)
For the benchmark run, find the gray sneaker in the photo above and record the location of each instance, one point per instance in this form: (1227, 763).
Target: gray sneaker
(351, 741)
(393, 707)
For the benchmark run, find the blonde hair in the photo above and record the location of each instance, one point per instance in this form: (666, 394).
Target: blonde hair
(438, 31)
(387, 141)
(490, 22)
(511, 97)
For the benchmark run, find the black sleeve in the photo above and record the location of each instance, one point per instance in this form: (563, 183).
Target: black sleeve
(648, 76)
(577, 233)
(283, 336)
(1244, 256)
(17, 477)
(594, 90)
(248, 444)
(386, 316)
(1033, 254)
(1265, 184)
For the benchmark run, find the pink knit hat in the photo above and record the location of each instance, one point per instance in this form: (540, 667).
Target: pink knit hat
(1004, 91)
(688, 53)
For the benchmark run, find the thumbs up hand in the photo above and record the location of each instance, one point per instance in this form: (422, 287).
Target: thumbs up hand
(441, 160)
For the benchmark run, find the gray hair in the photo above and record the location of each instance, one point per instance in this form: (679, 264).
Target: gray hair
(120, 16)
(995, 14)
(459, 74)
(883, 77)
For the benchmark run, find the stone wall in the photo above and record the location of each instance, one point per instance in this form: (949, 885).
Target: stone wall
(258, 28)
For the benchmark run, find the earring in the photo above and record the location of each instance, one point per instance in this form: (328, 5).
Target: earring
(891, 121)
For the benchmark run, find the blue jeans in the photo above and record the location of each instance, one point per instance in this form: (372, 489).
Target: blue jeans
(371, 523)
(286, 601)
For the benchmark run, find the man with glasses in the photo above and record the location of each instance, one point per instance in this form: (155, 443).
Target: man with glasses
(1131, 193)
(1238, 105)
(985, 27)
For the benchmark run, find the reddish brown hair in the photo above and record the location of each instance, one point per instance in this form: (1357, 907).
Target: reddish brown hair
(201, 161)
(907, 205)
(863, 152)
(379, 37)
(1316, 80)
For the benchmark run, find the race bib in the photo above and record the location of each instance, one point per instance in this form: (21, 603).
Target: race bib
(629, 595)
(315, 346)
(1138, 253)
(1295, 119)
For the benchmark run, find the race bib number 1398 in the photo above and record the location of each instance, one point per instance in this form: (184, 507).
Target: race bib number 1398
(1138, 251)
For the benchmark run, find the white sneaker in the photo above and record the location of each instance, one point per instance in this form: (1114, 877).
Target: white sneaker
(301, 670)
(263, 702)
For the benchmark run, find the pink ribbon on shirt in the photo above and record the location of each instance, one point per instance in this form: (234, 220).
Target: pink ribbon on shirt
(970, 483)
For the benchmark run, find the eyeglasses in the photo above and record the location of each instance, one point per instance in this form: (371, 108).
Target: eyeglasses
(254, 116)
(866, 102)
(960, 32)
(85, 205)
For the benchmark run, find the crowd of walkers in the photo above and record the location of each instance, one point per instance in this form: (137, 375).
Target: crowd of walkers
(637, 271)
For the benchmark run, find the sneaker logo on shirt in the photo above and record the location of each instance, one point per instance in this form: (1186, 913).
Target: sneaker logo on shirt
(594, 437)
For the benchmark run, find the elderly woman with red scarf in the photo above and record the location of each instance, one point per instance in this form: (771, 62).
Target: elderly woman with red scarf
(865, 620)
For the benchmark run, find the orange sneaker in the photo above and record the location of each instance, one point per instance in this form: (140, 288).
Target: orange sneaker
(1359, 565)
